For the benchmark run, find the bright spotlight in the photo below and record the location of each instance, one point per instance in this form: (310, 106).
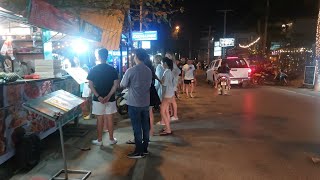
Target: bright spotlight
(79, 46)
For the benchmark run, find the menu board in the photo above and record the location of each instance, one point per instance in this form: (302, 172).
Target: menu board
(58, 102)
(61, 101)
(78, 74)
(309, 75)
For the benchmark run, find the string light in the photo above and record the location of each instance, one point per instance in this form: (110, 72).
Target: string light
(251, 44)
(317, 52)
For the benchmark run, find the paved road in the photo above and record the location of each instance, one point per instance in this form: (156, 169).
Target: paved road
(255, 133)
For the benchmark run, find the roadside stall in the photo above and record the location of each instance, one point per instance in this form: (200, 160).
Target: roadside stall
(33, 47)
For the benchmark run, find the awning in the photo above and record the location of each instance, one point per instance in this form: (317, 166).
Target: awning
(18, 7)
(110, 24)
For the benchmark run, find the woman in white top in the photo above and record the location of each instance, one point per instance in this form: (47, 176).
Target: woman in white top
(167, 94)
(175, 72)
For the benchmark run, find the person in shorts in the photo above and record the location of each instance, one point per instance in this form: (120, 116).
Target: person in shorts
(168, 87)
(188, 74)
(103, 82)
(175, 72)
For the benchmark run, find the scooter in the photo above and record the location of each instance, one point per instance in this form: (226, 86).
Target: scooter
(223, 85)
(121, 102)
(258, 78)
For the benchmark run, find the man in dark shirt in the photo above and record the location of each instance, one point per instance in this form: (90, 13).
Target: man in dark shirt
(103, 82)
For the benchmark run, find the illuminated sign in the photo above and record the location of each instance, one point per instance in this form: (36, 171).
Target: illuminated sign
(226, 42)
(144, 36)
(146, 44)
(135, 44)
(217, 51)
(117, 53)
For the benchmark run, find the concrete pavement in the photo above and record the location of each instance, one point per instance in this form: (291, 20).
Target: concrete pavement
(255, 133)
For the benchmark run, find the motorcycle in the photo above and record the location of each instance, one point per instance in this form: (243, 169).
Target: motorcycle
(121, 102)
(258, 78)
(223, 85)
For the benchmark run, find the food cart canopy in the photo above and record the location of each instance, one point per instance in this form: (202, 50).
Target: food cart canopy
(47, 16)
(110, 24)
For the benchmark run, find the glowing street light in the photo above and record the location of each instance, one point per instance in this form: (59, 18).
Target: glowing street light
(177, 28)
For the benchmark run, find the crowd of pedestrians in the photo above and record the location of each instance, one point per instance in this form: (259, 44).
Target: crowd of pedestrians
(150, 84)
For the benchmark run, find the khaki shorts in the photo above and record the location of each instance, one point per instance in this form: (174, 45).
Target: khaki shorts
(104, 109)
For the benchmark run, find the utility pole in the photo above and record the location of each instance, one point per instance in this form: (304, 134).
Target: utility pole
(225, 11)
(141, 18)
(141, 4)
(209, 39)
(190, 50)
(317, 53)
(266, 28)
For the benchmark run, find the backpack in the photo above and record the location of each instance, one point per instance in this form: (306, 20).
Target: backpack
(27, 151)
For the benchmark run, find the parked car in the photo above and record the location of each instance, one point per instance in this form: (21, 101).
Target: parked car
(239, 74)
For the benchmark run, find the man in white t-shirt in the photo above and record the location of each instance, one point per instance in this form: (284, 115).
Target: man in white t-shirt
(188, 74)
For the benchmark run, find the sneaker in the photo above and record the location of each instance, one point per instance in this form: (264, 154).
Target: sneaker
(96, 142)
(87, 117)
(159, 123)
(113, 142)
(174, 118)
(135, 155)
(191, 95)
(146, 152)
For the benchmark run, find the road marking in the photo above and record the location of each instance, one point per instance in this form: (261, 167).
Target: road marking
(297, 92)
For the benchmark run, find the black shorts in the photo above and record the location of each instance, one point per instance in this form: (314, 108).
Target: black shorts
(188, 81)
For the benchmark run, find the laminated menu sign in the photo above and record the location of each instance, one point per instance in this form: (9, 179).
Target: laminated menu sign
(63, 101)
(78, 74)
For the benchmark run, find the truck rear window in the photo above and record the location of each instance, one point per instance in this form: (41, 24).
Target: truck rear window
(236, 63)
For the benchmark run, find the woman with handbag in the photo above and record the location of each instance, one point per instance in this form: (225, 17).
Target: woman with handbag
(154, 98)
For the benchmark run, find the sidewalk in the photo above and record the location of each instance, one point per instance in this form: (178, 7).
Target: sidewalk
(168, 155)
(106, 162)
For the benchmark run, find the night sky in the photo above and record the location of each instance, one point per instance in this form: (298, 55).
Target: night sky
(199, 14)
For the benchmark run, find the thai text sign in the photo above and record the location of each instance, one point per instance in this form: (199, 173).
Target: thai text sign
(144, 36)
(90, 31)
(226, 42)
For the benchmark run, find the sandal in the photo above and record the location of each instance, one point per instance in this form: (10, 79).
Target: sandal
(165, 134)
(130, 142)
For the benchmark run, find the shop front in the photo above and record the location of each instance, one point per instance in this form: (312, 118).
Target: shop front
(39, 49)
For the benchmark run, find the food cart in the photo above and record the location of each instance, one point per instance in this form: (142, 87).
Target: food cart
(32, 48)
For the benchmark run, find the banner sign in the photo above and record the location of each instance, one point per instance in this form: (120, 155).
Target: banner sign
(46, 16)
(309, 75)
(90, 31)
(226, 42)
(144, 36)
